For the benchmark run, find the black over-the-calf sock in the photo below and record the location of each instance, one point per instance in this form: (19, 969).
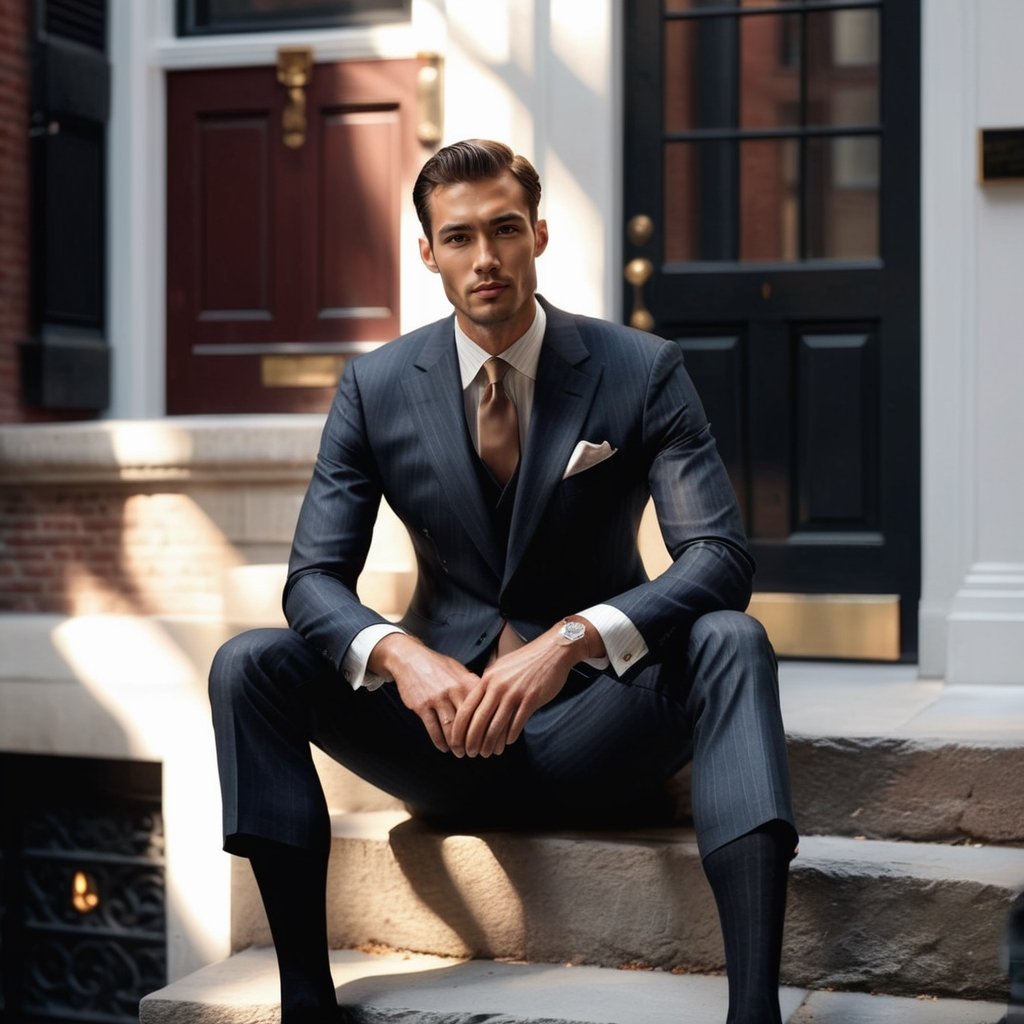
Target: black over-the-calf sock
(293, 882)
(748, 877)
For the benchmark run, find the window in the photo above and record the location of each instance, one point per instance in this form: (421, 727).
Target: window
(209, 17)
(772, 130)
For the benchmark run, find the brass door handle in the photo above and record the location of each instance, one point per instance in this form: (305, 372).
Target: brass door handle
(294, 71)
(637, 273)
(430, 100)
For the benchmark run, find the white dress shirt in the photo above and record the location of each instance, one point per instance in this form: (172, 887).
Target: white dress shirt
(623, 643)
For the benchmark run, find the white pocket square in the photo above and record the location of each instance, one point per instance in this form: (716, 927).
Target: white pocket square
(586, 455)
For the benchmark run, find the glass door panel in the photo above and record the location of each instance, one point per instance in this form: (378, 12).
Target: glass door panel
(771, 131)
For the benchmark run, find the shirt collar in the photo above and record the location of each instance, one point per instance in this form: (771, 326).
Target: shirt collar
(522, 355)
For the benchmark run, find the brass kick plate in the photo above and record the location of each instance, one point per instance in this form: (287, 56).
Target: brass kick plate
(863, 626)
(301, 371)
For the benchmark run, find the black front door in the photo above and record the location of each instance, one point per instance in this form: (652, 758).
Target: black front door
(772, 225)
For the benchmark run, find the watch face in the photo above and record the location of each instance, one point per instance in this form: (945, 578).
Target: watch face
(573, 631)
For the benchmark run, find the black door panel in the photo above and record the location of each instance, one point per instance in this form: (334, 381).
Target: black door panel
(775, 150)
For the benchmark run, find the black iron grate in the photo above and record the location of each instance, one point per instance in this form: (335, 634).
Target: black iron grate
(82, 885)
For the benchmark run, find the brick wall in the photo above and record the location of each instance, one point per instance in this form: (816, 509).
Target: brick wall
(14, 195)
(95, 549)
(146, 517)
(15, 220)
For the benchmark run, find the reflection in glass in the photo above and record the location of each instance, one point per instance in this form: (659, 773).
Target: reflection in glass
(759, 70)
(690, 5)
(843, 198)
(680, 203)
(843, 67)
(700, 74)
(701, 184)
(213, 16)
(676, 6)
(770, 200)
(770, 71)
(680, 45)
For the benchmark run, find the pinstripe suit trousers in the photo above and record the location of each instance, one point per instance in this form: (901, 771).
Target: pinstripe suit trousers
(600, 752)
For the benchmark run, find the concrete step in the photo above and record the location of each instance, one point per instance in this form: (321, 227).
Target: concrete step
(396, 988)
(874, 752)
(875, 787)
(899, 918)
(924, 789)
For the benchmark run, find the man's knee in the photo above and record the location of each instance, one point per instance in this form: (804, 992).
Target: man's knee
(731, 651)
(732, 634)
(246, 660)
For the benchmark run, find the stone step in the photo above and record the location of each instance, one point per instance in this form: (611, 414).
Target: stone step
(927, 790)
(898, 918)
(924, 789)
(397, 988)
(874, 752)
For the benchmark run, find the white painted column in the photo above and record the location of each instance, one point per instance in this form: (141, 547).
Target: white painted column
(135, 212)
(972, 609)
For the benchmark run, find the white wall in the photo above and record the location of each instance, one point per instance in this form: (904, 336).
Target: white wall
(543, 76)
(972, 609)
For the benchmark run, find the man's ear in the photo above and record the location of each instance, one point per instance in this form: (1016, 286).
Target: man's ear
(427, 255)
(540, 232)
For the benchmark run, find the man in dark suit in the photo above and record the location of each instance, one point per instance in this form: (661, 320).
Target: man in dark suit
(538, 675)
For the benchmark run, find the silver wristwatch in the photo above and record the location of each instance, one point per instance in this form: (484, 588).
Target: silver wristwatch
(570, 632)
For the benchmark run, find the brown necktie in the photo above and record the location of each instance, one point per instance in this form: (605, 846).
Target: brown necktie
(498, 424)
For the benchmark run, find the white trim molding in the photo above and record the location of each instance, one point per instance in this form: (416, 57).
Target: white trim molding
(972, 607)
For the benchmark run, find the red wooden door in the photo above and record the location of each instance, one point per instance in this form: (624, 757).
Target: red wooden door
(282, 262)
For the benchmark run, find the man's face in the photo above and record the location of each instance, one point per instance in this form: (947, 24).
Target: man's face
(485, 249)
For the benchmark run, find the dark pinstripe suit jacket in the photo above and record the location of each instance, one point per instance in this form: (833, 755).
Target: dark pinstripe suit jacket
(397, 428)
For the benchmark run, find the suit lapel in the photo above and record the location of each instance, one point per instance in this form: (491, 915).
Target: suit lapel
(565, 388)
(434, 392)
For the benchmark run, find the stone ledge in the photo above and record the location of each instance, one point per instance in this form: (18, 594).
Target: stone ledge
(900, 918)
(925, 790)
(215, 448)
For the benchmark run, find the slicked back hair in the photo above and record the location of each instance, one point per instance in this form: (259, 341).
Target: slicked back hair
(472, 160)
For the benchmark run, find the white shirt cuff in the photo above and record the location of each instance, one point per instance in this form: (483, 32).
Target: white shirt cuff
(623, 643)
(353, 665)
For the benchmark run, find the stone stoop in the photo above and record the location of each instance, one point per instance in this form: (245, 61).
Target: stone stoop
(892, 917)
(400, 988)
(912, 823)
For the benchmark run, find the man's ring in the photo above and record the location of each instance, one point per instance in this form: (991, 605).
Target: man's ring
(447, 721)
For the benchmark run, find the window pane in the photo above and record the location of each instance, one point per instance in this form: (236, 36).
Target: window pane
(843, 198)
(696, 5)
(770, 200)
(843, 67)
(211, 16)
(701, 185)
(700, 74)
(770, 75)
